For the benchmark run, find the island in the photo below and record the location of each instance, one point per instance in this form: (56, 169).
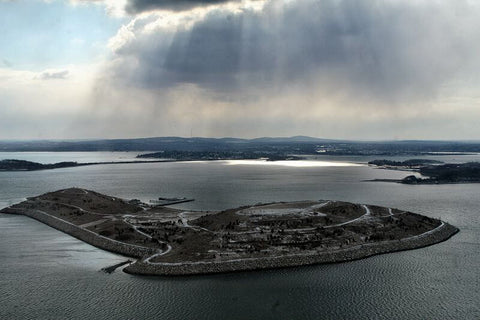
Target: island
(435, 172)
(403, 165)
(176, 156)
(169, 241)
(448, 173)
(23, 165)
(180, 155)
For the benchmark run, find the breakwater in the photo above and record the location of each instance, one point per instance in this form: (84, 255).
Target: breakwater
(83, 234)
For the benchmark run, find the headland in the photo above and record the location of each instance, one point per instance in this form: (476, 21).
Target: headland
(433, 172)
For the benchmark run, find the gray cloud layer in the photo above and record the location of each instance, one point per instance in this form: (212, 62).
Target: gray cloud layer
(386, 50)
(329, 68)
(332, 68)
(135, 6)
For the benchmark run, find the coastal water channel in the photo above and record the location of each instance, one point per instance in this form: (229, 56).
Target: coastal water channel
(45, 274)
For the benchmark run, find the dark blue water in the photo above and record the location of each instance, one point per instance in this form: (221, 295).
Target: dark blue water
(45, 274)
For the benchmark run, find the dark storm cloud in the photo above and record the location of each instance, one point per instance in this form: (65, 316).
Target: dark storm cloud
(135, 6)
(387, 50)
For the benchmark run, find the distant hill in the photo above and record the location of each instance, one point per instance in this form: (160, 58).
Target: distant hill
(301, 145)
(300, 139)
(152, 144)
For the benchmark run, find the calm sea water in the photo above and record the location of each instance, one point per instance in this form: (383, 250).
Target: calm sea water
(45, 274)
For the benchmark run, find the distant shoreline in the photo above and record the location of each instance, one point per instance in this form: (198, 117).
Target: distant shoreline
(15, 165)
(302, 145)
(22, 165)
(436, 172)
(432, 182)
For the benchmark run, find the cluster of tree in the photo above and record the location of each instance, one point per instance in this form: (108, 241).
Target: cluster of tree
(287, 224)
(271, 155)
(231, 225)
(447, 173)
(406, 163)
(453, 172)
(22, 165)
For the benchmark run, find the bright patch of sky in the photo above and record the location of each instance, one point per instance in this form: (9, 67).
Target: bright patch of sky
(36, 35)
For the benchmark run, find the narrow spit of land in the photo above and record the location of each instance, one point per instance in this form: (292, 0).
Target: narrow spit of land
(169, 241)
(23, 165)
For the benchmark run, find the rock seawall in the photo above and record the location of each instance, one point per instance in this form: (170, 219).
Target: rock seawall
(88, 236)
(441, 233)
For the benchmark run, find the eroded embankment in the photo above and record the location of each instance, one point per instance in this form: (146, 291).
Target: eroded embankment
(88, 236)
(439, 234)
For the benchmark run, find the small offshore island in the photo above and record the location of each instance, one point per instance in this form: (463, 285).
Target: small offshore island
(169, 241)
(436, 172)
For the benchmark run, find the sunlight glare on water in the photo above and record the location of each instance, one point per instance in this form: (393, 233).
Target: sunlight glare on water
(292, 163)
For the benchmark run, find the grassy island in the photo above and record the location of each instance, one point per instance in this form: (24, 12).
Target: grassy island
(169, 241)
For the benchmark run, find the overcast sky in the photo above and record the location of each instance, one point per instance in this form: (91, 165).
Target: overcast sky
(390, 69)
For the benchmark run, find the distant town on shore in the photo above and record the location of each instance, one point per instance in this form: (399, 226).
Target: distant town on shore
(299, 145)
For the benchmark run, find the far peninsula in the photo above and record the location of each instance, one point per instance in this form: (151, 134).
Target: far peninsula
(432, 171)
(168, 241)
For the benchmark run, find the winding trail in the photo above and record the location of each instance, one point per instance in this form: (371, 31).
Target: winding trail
(164, 252)
(136, 229)
(185, 223)
(93, 223)
(148, 260)
(77, 207)
(89, 231)
(365, 216)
